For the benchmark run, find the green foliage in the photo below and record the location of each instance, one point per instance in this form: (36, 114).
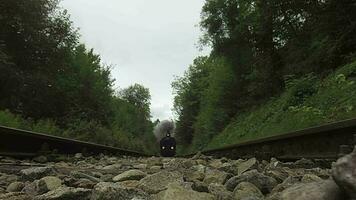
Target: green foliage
(261, 50)
(139, 96)
(189, 90)
(216, 107)
(11, 120)
(333, 99)
(52, 84)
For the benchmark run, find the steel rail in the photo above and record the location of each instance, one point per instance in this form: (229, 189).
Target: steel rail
(22, 143)
(327, 141)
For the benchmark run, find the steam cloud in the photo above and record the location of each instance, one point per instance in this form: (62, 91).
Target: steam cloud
(161, 129)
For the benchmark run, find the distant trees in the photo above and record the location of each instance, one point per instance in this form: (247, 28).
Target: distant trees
(139, 96)
(46, 74)
(255, 45)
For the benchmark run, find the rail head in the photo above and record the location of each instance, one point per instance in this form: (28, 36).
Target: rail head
(42, 136)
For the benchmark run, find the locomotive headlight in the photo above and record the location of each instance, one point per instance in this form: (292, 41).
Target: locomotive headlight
(172, 148)
(163, 147)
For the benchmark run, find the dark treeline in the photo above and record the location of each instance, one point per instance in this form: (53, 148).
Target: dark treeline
(256, 47)
(46, 74)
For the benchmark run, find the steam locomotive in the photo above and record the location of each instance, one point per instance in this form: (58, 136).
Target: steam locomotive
(168, 146)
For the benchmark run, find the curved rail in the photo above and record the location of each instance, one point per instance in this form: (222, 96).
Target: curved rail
(16, 142)
(328, 141)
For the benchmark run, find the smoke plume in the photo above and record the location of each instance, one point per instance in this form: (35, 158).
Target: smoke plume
(161, 129)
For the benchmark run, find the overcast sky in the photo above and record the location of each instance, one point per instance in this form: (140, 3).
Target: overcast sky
(147, 42)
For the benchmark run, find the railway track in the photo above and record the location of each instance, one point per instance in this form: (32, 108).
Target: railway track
(328, 141)
(21, 143)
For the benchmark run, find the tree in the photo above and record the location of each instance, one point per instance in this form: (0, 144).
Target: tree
(188, 92)
(138, 96)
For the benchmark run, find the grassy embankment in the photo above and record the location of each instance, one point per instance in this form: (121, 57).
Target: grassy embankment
(306, 102)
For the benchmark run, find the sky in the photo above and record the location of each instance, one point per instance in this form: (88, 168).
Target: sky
(146, 41)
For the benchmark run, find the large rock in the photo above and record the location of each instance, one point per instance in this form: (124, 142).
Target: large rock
(246, 165)
(216, 163)
(288, 182)
(216, 176)
(6, 179)
(195, 173)
(83, 183)
(130, 183)
(308, 178)
(15, 196)
(157, 182)
(247, 191)
(36, 173)
(344, 173)
(177, 192)
(79, 175)
(133, 174)
(66, 193)
(322, 190)
(219, 191)
(31, 188)
(262, 182)
(200, 186)
(48, 183)
(15, 187)
(116, 191)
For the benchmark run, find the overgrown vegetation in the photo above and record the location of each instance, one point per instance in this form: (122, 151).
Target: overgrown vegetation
(51, 83)
(306, 102)
(268, 57)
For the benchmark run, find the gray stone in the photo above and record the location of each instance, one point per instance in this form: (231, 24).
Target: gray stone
(200, 186)
(322, 190)
(40, 159)
(140, 166)
(177, 192)
(308, 178)
(247, 191)
(343, 172)
(130, 183)
(84, 183)
(305, 163)
(6, 179)
(288, 182)
(215, 163)
(157, 182)
(279, 174)
(247, 165)
(78, 175)
(15, 196)
(48, 183)
(78, 155)
(112, 167)
(36, 173)
(155, 169)
(219, 191)
(194, 174)
(30, 188)
(261, 181)
(66, 193)
(116, 191)
(15, 187)
(133, 174)
(216, 176)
